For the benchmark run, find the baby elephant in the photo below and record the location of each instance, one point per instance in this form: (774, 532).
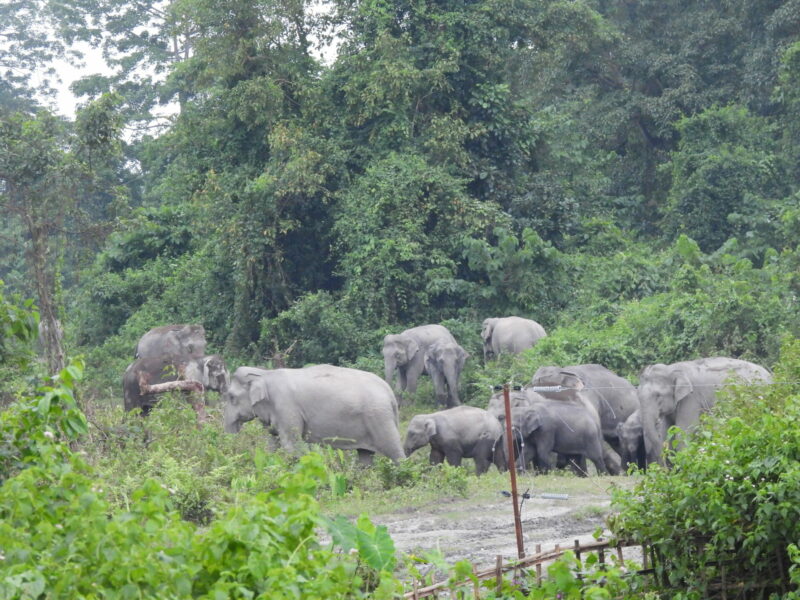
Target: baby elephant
(456, 433)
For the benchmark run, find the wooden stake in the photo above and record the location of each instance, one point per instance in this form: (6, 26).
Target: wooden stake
(498, 573)
(538, 566)
(512, 470)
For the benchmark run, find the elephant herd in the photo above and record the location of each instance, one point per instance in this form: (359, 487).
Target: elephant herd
(563, 417)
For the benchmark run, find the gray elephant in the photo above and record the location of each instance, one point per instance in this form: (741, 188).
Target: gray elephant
(677, 394)
(509, 335)
(405, 354)
(565, 427)
(172, 340)
(322, 404)
(613, 397)
(208, 370)
(457, 433)
(444, 361)
(631, 441)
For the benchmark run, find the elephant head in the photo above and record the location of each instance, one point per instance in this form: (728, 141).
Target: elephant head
(172, 340)
(444, 361)
(421, 429)
(661, 388)
(210, 371)
(486, 334)
(398, 350)
(245, 399)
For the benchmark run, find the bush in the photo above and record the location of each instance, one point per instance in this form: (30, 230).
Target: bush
(730, 500)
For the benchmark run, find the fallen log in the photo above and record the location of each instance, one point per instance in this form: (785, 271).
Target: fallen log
(171, 386)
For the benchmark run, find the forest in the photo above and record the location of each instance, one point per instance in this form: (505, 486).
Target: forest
(305, 177)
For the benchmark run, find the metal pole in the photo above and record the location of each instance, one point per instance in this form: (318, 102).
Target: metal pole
(512, 469)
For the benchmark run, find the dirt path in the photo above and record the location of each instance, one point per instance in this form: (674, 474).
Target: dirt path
(480, 529)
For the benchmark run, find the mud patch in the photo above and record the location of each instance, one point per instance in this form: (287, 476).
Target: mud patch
(479, 530)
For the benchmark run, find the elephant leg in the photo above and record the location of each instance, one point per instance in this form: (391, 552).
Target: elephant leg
(482, 456)
(543, 461)
(365, 457)
(454, 457)
(436, 457)
(596, 456)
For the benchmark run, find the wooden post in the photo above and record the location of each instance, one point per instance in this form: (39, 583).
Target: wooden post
(476, 586)
(538, 566)
(577, 549)
(414, 587)
(498, 573)
(644, 556)
(512, 469)
(619, 554)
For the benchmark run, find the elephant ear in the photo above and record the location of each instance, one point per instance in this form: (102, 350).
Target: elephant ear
(258, 397)
(487, 329)
(463, 355)
(531, 421)
(412, 348)
(430, 428)
(683, 387)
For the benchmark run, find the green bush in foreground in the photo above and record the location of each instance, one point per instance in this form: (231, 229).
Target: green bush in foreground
(62, 538)
(732, 497)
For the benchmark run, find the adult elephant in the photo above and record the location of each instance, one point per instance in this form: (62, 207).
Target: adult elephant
(172, 340)
(143, 373)
(565, 427)
(509, 335)
(613, 397)
(454, 434)
(677, 394)
(322, 404)
(404, 354)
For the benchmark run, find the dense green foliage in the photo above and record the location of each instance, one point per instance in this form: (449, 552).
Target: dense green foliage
(627, 174)
(730, 501)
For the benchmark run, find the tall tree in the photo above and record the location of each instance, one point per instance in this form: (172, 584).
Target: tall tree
(45, 172)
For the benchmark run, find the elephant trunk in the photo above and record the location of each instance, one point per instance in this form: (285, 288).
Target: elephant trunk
(451, 377)
(230, 422)
(389, 366)
(653, 440)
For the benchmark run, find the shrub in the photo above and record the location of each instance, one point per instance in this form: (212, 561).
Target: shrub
(730, 500)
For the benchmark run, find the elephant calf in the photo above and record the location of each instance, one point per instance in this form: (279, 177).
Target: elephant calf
(456, 433)
(631, 441)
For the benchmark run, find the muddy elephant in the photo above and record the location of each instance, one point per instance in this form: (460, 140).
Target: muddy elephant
(613, 397)
(172, 340)
(457, 433)
(631, 441)
(565, 427)
(509, 335)
(208, 370)
(405, 354)
(677, 394)
(323, 404)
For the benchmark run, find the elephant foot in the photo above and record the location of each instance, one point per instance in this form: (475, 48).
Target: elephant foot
(365, 457)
